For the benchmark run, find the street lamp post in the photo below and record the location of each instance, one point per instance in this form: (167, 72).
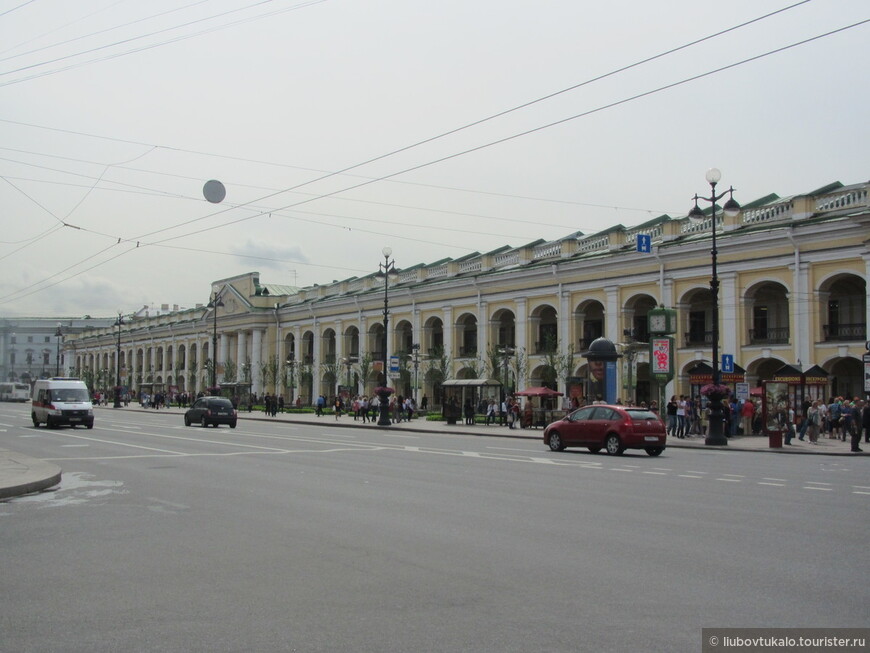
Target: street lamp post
(416, 349)
(506, 352)
(213, 304)
(715, 435)
(58, 333)
(386, 268)
(118, 324)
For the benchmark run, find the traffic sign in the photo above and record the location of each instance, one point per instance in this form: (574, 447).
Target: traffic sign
(394, 364)
(728, 363)
(644, 243)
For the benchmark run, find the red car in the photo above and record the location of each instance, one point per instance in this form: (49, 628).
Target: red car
(615, 428)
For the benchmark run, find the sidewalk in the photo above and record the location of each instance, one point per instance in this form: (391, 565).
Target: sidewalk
(20, 474)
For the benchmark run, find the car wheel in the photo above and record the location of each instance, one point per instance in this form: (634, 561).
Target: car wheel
(555, 442)
(654, 451)
(186, 420)
(594, 449)
(35, 421)
(232, 425)
(204, 423)
(91, 425)
(613, 445)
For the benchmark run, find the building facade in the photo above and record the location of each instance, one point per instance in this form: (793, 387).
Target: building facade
(32, 347)
(793, 292)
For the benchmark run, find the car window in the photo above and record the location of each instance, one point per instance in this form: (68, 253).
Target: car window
(581, 413)
(642, 414)
(219, 403)
(605, 413)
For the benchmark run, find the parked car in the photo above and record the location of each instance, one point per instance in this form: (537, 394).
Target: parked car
(211, 410)
(614, 428)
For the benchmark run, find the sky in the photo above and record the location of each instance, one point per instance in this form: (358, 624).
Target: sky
(338, 127)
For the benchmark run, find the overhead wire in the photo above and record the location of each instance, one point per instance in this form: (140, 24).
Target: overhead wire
(498, 141)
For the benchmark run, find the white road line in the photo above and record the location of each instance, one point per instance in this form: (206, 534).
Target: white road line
(618, 469)
(689, 476)
(729, 480)
(823, 489)
(816, 483)
(74, 445)
(774, 484)
(781, 480)
(858, 492)
(655, 473)
(692, 471)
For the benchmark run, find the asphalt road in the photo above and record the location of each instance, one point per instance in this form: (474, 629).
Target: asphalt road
(296, 538)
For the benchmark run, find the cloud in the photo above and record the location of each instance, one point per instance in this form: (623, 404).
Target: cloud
(268, 256)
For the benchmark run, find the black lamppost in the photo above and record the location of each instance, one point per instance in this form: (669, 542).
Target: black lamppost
(506, 352)
(213, 304)
(386, 268)
(416, 349)
(58, 333)
(715, 435)
(118, 324)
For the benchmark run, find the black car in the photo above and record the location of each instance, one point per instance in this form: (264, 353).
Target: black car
(211, 410)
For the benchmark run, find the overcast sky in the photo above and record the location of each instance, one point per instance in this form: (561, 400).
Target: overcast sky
(341, 126)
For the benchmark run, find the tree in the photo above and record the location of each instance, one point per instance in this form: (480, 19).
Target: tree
(229, 371)
(365, 368)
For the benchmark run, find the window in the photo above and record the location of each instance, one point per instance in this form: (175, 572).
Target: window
(759, 322)
(697, 326)
(29, 338)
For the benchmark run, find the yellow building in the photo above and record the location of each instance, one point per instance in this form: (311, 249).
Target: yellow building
(793, 291)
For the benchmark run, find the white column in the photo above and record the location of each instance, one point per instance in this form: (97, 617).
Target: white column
(612, 322)
(242, 354)
(256, 359)
(448, 332)
(729, 319)
(223, 348)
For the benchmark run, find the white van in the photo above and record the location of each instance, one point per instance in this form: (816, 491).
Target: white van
(61, 400)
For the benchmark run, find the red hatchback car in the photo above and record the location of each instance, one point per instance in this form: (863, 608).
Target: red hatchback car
(615, 428)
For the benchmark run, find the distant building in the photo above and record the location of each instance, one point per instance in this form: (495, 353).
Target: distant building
(793, 274)
(30, 347)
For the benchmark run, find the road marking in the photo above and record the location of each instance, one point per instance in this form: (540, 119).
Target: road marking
(619, 469)
(74, 445)
(781, 480)
(859, 492)
(692, 471)
(656, 473)
(774, 484)
(729, 480)
(689, 476)
(815, 483)
(823, 489)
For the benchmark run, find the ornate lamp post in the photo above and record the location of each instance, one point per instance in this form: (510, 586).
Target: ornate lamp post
(387, 268)
(506, 352)
(715, 436)
(213, 304)
(118, 324)
(416, 349)
(58, 333)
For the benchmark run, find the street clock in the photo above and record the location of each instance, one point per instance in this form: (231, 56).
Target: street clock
(662, 321)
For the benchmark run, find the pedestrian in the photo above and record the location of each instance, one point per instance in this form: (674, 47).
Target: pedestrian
(319, 404)
(490, 413)
(865, 423)
(747, 413)
(336, 407)
(814, 419)
(804, 422)
(424, 403)
(468, 410)
(860, 414)
(671, 414)
(789, 423)
(281, 404)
